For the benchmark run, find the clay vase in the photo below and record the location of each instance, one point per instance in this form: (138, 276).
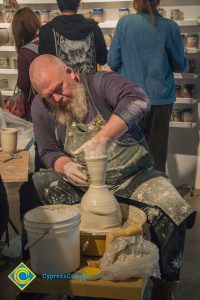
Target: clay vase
(100, 210)
(9, 140)
(97, 167)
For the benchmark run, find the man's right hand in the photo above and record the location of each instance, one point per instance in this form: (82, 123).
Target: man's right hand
(75, 174)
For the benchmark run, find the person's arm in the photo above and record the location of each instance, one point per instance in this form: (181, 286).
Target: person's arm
(127, 100)
(114, 54)
(175, 49)
(25, 58)
(129, 105)
(51, 153)
(100, 47)
(46, 40)
(44, 131)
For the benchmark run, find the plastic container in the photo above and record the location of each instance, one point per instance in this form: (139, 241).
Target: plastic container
(53, 238)
(3, 83)
(97, 14)
(13, 62)
(192, 41)
(4, 62)
(53, 14)
(85, 12)
(189, 91)
(7, 3)
(8, 15)
(187, 115)
(176, 115)
(175, 14)
(44, 16)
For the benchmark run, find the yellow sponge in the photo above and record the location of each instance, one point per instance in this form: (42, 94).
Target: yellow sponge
(91, 273)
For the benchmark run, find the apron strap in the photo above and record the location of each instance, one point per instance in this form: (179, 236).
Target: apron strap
(95, 97)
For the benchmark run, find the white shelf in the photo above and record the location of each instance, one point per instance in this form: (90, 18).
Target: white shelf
(186, 22)
(185, 100)
(104, 1)
(192, 50)
(8, 71)
(4, 25)
(7, 93)
(186, 76)
(34, 1)
(182, 124)
(8, 48)
(54, 1)
(108, 24)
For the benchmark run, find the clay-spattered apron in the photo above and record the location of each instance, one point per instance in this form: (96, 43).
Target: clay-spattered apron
(129, 174)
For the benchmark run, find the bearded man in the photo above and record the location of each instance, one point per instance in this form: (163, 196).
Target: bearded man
(101, 112)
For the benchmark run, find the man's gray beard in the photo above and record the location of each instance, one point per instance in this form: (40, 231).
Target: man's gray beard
(73, 111)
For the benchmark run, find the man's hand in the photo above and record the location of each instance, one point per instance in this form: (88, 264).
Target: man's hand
(75, 174)
(97, 146)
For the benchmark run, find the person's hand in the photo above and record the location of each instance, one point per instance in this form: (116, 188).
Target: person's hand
(75, 174)
(97, 146)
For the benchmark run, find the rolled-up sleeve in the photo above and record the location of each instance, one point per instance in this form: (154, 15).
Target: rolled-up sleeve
(124, 98)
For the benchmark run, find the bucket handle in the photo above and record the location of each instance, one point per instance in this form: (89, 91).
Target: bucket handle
(36, 241)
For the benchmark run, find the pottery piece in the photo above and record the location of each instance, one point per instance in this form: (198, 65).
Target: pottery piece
(98, 14)
(9, 140)
(97, 169)
(187, 114)
(100, 210)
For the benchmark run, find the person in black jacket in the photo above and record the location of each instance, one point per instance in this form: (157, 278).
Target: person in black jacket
(74, 39)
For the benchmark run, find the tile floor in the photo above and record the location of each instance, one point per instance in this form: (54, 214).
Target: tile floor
(189, 288)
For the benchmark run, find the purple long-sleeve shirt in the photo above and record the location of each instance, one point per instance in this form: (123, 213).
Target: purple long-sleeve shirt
(25, 58)
(120, 96)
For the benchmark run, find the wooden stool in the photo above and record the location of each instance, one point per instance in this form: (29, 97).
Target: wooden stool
(130, 289)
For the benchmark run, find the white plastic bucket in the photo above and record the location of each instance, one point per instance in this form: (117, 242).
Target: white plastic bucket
(53, 238)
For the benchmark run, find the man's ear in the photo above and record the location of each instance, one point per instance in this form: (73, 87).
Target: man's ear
(70, 72)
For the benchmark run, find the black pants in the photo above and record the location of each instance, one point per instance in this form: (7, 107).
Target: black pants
(168, 237)
(4, 208)
(156, 130)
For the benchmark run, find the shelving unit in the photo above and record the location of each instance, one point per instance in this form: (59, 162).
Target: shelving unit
(186, 101)
(8, 71)
(7, 93)
(7, 49)
(184, 150)
(183, 124)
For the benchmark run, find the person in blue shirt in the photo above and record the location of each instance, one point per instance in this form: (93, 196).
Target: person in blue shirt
(147, 48)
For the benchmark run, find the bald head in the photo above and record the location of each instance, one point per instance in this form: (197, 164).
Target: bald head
(43, 68)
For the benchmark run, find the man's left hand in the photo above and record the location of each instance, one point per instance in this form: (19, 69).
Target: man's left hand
(97, 146)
